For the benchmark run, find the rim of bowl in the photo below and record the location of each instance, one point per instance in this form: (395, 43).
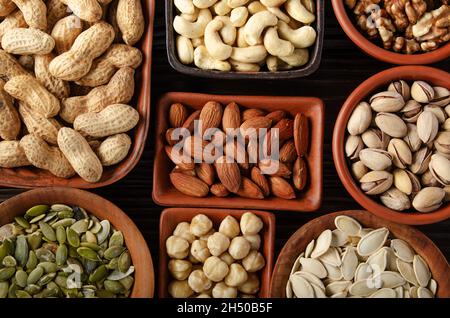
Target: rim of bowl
(339, 133)
(378, 52)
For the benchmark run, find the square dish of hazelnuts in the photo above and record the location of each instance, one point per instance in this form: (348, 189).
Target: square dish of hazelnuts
(215, 253)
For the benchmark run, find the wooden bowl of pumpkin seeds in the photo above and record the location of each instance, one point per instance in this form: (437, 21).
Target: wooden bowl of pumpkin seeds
(357, 254)
(391, 144)
(69, 243)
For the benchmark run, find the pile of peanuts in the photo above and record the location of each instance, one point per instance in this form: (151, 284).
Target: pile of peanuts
(66, 76)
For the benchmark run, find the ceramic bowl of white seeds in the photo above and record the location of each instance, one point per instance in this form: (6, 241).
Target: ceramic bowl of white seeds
(358, 255)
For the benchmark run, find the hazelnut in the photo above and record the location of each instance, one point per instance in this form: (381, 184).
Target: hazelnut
(207, 235)
(253, 262)
(230, 227)
(251, 286)
(236, 276)
(182, 230)
(203, 296)
(250, 224)
(200, 251)
(198, 281)
(177, 247)
(239, 247)
(227, 258)
(218, 243)
(254, 240)
(180, 289)
(180, 269)
(223, 291)
(215, 269)
(200, 225)
(192, 258)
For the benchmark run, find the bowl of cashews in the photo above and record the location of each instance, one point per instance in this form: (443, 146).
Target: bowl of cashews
(233, 39)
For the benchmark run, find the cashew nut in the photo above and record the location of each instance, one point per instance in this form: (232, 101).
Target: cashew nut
(239, 16)
(236, 3)
(244, 67)
(299, 12)
(203, 60)
(191, 17)
(272, 3)
(240, 38)
(222, 8)
(279, 14)
(197, 42)
(251, 54)
(303, 37)
(185, 50)
(256, 25)
(228, 31)
(216, 48)
(298, 58)
(203, 4)
(276, 46)
(255, 7)
(275, 64)
(185, 6)
(192, 29)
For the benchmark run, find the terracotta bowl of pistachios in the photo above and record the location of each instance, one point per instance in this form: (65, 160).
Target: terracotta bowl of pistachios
(391, 144)
(397, 34)
(70, 243)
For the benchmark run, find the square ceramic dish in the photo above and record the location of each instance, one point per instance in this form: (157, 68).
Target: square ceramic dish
(171, 217)
(315, 53)
(164, 193)
(30, 177)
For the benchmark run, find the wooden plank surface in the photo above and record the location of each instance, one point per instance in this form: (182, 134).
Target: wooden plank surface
(343, 67)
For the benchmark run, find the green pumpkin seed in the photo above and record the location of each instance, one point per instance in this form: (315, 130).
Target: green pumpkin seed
(127, 282)
(50, 216)
(73, 252)
(71, 293)
(9, 261)
(12, 290)
(124, 262)
(31, 262)
(96, 227)
(9, 246)
(22, 294)
(91, 237)
(48, 231)
(72, 237)
(99, 274)
(51, 291)
(34, 240)
(61, 255)
(116, 239)
(37, 219)
(35, 275)
(113, 251)
(114, 287)
(61, 235)
(44, 255)
(22, 222)
(21, 278)
(61, 281)
(32, 289)
(92, 246)
(47, 278)
(3, 252)
(21, 252)
(80, 226)
(6, 273)
(113, 264)
(4, 286)
(48, 267)
(65, 214)
(60, 207)
(37, 210)
(104, 232)
(103, 293)
(63, 223)
(33, 228)
(87, 253)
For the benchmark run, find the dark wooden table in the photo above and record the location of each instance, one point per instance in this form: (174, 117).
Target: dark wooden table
(343, 67)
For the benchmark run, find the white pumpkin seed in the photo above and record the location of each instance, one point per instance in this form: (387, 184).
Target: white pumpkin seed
(318, 292)
(402, 250)
(338, 238)
(365, 231)
(310, 278)
(322, 244)
(378, 260)
(391, 260)
(340, 295)
(413, 292)
(309, 249)
(348, 225)
(289, 289)
(432, 286)
(334, 272)
(337, 287)
(296, 265)
(390, 279)
(407, 271)
(301, 287)
(372, 242)
(363, 271)
(384, 293)
(331, 257)
(363, 288)
(423, 292)
(406, 294)
(399, 292)
(349, 263)
(421, 270)
(313, 266)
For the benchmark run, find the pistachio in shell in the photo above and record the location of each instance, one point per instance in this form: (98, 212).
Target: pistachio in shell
(411, 111)
(353, 146)
(406, 181)
(427, 126)
(441, 96)
(442, 142)
(388, 101)
(412, 138)
(375, 159)
(422, 92)
(395, 199)
(359, 169)
(428, 180)
(440, 169)
(421, 160)
(439, 112)
(391, 124)
(400, 87)
(375, 138)
(428, 199)
(376, 182)
(360, 119)
(401, 154)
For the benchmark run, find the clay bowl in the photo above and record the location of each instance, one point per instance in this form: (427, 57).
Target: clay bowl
(308, 200)
(378, 52)
(30, 177)
(361, 93)
(170, 219)
(296, 244)
(101, 208)
(315, 53)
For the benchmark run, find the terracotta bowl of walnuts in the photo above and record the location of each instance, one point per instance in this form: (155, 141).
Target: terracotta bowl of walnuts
(408, 53)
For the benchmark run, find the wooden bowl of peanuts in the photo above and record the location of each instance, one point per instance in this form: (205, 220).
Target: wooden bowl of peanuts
(74, 97)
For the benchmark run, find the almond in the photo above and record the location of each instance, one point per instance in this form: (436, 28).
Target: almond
(237, 151)
(206, 173)
(276, 116)
(281, 188)
(189, 122)
(191, 173)
(211, 115)
(249, 189)
(267, 165)
(231, 117)
(193, 146)
(288, 154)
(301, 134)
(189, 185)
(285, 131)
(255, 123)
(179, 159)
(177, 115)
(219, 190)
(260, 180)
(169, 139)
(251, 113)
(228, 173)
(300, 174)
